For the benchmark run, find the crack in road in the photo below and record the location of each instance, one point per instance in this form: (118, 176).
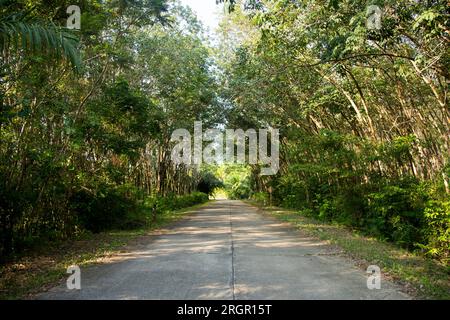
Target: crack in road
(232, 254)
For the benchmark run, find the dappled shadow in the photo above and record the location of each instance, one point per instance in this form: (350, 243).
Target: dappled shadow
(224, 250)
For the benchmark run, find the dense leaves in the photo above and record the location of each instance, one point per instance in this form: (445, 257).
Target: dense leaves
(363, 113)
(89, 150)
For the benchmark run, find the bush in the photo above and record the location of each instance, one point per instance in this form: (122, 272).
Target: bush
(118, 208)
(437, 215)
(396, 213)
(104, 210)
(406, 211)
(327, 210)
(174, 202)
(291, 201)
(261, 197)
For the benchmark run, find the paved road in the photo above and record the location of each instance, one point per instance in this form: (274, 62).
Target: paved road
(227, 250)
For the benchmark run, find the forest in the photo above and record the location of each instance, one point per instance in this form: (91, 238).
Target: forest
(86, 115)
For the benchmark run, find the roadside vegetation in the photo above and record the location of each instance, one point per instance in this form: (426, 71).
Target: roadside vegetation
(86, 116)
(363, 113)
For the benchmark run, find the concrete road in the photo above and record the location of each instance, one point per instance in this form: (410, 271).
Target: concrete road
(227, 250)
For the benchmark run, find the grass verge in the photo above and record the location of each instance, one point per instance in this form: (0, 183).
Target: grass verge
(422, 278)
(46, 265)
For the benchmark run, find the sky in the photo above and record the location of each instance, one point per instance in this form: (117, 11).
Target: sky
(207, 11)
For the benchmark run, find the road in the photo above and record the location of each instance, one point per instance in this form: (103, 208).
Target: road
(227, 250)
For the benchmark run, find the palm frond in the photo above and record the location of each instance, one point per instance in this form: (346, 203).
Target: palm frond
(19, 34)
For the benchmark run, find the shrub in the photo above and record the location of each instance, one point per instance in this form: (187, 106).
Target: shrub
(261, 197)
(437, 215)
(396, 213)
(174, 202)
(291, 201)
(104, 210)
(118, 209)
(327, 210)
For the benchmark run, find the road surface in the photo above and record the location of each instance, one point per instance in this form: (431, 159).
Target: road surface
(227, 250)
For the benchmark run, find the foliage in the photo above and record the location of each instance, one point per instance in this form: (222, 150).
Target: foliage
(21, 32)
(363, 114)
(437, 215)
(85, 150)
(209, 183)
(236, 180)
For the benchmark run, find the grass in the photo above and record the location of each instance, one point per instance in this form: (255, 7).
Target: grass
(45, 266)
(421, 277)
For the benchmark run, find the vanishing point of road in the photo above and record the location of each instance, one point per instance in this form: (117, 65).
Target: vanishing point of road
(227, 250)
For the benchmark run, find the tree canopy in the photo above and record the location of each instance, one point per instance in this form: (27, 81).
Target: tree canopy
(86, 116)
